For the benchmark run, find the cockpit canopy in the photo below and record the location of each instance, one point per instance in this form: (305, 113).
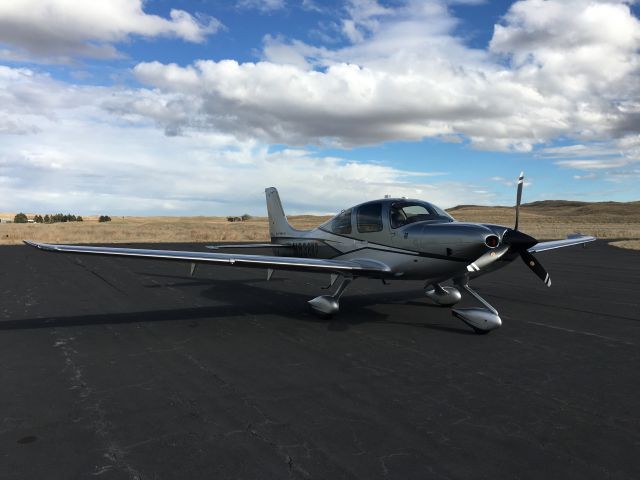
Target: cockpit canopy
(372, 217)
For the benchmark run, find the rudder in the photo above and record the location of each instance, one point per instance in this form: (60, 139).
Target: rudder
(278, 224)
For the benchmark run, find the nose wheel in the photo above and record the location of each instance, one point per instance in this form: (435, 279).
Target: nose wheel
(482, 320)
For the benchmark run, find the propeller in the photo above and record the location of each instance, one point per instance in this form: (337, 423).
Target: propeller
(521, 242)
(513, 240)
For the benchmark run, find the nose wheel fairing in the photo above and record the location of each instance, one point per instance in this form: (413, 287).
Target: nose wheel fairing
(481, 319)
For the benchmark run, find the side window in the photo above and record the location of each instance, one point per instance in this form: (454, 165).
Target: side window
(341, 224)
(370, 218)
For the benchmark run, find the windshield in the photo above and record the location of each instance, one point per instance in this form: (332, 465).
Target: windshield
(406, 212)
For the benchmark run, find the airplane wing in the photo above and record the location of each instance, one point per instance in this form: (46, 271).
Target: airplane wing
(364, 267)
(567, 242)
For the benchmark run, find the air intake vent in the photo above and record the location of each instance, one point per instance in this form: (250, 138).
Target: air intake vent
(492, 241)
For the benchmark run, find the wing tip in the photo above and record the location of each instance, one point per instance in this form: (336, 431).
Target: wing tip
(39, 246)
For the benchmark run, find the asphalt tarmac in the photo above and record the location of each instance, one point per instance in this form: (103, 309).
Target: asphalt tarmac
(131, 369)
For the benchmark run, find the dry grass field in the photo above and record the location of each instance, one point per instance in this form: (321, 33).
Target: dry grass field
(149, 229)
(543, 220)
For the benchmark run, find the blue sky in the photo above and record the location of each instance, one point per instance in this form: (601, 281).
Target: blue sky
(193, 107)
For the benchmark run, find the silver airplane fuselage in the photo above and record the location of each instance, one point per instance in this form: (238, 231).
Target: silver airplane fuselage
(432, 250)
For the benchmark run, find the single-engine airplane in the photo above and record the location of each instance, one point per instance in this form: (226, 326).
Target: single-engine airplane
(388, 239)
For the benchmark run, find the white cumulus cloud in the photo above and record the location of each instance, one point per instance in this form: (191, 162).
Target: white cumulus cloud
(61, 30)
(552, 69)
(81, 150)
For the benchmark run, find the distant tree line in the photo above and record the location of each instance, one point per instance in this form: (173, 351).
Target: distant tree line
(62, 218)
(57, 218)
(53, 218)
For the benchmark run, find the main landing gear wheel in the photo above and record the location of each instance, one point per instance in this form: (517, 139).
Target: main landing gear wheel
(326, 306)
(443, 296)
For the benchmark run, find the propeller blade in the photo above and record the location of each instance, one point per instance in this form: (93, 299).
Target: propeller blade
(519, 198)
(536, 266)
(487, 259)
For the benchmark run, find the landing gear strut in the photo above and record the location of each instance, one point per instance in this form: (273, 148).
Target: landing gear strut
(482, 320)
(329, 305)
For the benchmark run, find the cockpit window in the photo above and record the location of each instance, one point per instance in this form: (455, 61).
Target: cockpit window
(370, 218)
(340, 224)
(403, 213)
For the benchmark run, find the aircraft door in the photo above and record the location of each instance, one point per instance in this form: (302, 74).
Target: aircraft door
(400, 216)
(369, 224)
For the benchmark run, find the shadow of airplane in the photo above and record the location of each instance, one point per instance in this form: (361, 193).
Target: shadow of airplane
(356, 308)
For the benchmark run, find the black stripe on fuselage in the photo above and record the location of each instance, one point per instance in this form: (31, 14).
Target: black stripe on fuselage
(375, 246)
(391, 248)
(410, 254)
(302, 240)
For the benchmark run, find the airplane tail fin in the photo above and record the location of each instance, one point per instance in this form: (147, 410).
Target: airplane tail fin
(278, 224)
